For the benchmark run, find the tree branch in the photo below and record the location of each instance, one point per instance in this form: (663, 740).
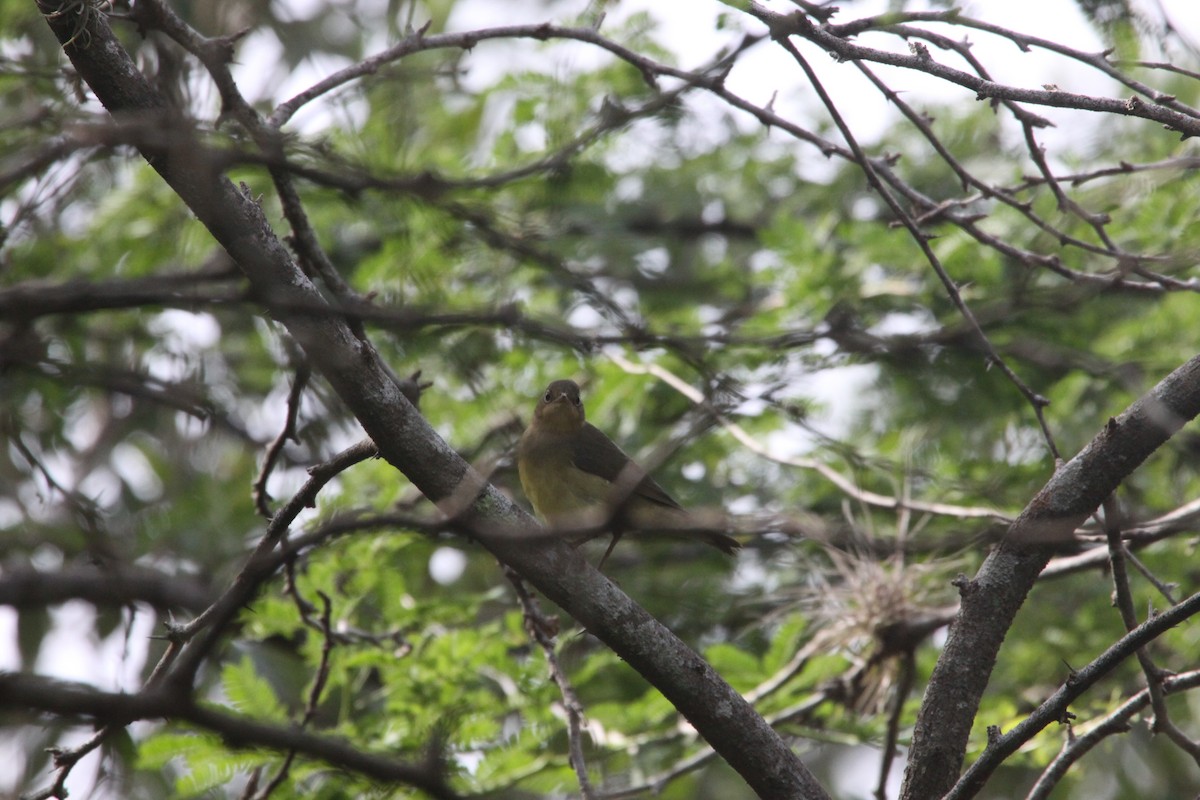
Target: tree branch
(992, 598)
(1055, 708)
(19, 691)
(406, 440)
(109, 585)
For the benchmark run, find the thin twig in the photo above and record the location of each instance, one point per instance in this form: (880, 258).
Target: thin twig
(921, 239)
(259, 490)
(1055, 707)
(843, 483)
(901, 691)
(1077, 744)
(543, 630)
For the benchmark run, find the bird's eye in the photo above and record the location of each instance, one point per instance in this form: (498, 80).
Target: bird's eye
(549, 397)
(577, 400)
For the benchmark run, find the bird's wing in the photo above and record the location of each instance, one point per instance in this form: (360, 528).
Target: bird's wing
(595, 453)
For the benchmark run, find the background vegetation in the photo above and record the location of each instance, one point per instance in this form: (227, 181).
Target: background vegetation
(866, 304)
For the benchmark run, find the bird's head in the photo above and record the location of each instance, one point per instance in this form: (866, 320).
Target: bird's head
(560, 409)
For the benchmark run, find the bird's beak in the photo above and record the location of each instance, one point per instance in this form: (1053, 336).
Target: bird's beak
(560, 411)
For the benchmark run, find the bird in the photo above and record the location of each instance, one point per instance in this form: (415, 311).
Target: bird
(581, 483)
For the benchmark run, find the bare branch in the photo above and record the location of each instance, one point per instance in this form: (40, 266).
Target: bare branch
(543, 630)
(22, 691)
(107, 585)
(1161, 108)
(259, 490)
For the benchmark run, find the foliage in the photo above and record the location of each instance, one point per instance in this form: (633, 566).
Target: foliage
(509, 211)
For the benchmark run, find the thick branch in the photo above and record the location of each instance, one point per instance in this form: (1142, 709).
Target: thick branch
(798, 24)
(111, 586)
(197, 289)
(990, 601)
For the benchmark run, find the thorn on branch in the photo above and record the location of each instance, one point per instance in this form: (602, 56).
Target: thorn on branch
(221, 48)
(412, 387)
(718, 80)
(612, 112)
(650, 78)
(817, 11)
(175, 632)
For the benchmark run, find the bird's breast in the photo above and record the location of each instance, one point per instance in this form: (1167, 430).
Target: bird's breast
(555, 486)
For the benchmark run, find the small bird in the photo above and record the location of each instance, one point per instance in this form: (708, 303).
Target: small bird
(578, 479)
